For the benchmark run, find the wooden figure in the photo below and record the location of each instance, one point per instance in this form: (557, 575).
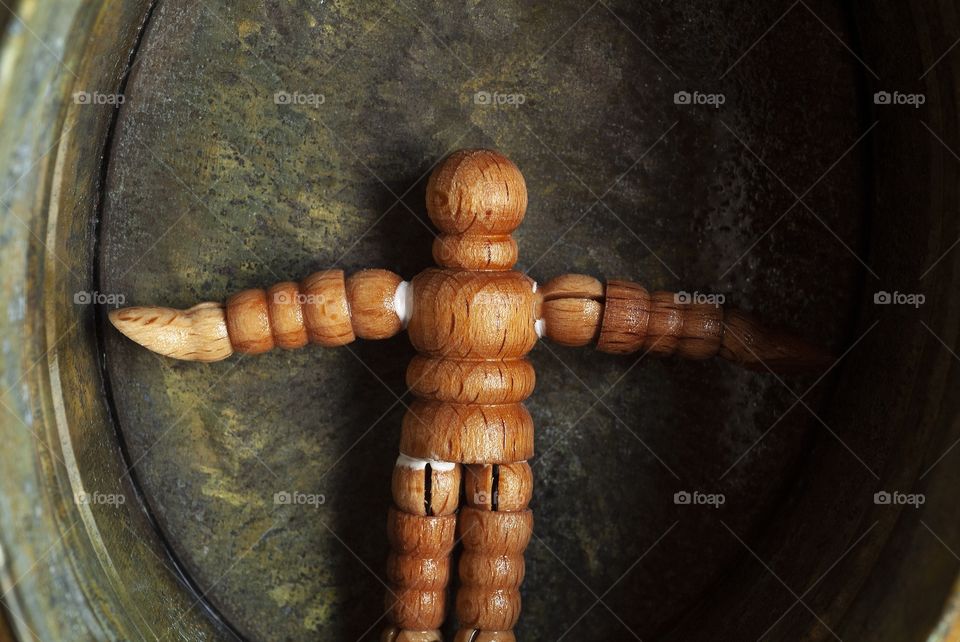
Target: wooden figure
(472, 320)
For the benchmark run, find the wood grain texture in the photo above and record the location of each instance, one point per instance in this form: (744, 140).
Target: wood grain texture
(503, 487)
(197, 334)
(491, 568)
(325, 308)
(473, 322)
(471, 382)
(467, 433)
(248, 322)
(418, 568)
(462, 314)
(370, 294)
(664, 324)
(480, 196)
(430, 490)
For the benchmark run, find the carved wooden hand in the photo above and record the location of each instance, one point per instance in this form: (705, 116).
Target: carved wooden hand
(472, 320)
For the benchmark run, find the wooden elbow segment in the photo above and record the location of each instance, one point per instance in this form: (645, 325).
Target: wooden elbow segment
(571, 309)
(372, 298)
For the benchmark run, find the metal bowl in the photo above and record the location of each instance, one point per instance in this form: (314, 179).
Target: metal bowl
(799, 159)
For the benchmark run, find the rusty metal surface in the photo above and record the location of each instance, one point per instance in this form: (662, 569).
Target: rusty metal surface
(213, 187)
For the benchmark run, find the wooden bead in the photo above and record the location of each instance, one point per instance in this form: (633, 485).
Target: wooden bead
(425, 574)
(487, 608)
(491, 567)
(460, 314)
(573, 286)
(572, 322)
(747, 343)
(475, 252)
(425, 489)
(325, 309)
(371, 297)
(503, 571)
(478, 191)
(501, 433)
(471, 382)
(502, 487)
(413, 609)
(418, 568)
(661, 324)
(473, 635)
(197, 334)
(419, 536)
(393, 634)
(495, 532)
(286, 315)
(248, 322)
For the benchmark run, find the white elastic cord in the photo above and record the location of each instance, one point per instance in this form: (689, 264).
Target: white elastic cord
(403, 302)
(540, 325)
(405, 461)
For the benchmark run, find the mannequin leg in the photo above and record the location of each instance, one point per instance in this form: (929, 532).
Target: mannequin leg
(495, 527)
(421, 527)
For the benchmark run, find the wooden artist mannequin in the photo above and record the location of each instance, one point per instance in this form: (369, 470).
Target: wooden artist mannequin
(472, 321)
